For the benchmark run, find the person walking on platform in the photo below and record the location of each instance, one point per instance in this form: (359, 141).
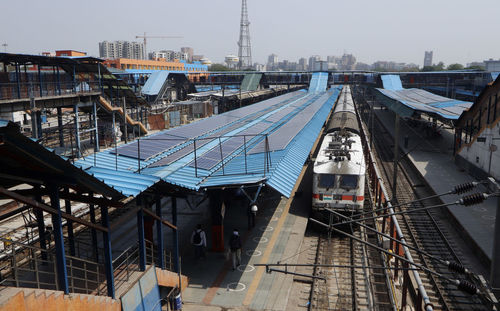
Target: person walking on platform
(199, 241)
(235, 246)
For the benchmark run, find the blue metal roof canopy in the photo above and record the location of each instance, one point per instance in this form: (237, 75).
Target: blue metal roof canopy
(406, 101)
(288, 124)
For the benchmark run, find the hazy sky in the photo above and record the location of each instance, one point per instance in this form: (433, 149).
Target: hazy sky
(398, 30)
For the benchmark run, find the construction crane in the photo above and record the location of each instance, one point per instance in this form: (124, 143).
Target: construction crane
(155, 37)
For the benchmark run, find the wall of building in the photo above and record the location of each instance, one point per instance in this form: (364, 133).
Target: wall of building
(162, 64)
(126, 63)
(70, 53)
(484, 153)
(492, 65)
(478, 133)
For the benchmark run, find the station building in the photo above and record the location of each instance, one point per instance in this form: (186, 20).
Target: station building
(158, 64)
(478, 134)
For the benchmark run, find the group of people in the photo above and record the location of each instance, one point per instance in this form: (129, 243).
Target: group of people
(199, 241)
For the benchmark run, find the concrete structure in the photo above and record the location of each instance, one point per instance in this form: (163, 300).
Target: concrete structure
(121, 49)
(232, 61)
(302, 64)
(189, 51)
(492, 65)
(272, 59)
(428, 58)
(169, 55)
(205, 61)
(347, 62)
(70, 53)
(197, 58)
(478, 134)
(314, 62)
(125, 63)
(259, 67)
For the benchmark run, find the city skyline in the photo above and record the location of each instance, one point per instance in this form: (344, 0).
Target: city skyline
(391, 31)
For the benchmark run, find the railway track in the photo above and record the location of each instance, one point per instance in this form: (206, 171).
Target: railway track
(349, 282)
(425, 230)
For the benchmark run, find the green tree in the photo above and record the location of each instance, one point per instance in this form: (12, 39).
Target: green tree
(438, 67)
(218, 67)
(475, 67)
(455, 67)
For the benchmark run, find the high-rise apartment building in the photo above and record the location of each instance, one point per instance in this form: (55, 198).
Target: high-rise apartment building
(169, 55)
(272, 62)
(315, 63)
(121, 49)
(428, 59)
(189, 51)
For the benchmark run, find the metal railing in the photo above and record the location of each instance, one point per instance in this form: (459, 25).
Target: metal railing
(33, 267)
(390, 226)
(198, 147)
(36, 89)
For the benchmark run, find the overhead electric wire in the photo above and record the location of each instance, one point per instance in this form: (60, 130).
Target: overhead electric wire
(453, 266)
(459, 189)
(467, 200)
(461, 284)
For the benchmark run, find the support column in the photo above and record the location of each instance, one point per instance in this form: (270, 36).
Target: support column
(159, 233)
(60, 127)
(142, 242)
(58, 76)
(39, 123)
(69, 225)
(125, 131)
(40, 81)
(108, 261)
(93, 231)
(41, 224)
(18, 81)
(77, 131)
(396, 156)
(175, 235)
(96, 136)
(62, 274)
(34, 119)
(216, 201)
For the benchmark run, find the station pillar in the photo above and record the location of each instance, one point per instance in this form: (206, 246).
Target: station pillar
(217, 210)
(62, 275)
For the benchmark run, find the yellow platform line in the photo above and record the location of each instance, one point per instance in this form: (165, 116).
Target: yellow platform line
(260, 270)
(265, 257)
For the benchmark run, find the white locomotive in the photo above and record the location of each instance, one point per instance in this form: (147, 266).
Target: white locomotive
(339, 169)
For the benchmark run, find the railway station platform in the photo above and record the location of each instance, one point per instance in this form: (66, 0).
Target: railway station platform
(433, 157)
(277, 236)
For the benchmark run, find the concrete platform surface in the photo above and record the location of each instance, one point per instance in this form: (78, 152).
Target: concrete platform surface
(434, 160)
(277, 236)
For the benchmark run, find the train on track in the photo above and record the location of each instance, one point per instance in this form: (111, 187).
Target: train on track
(339, 169)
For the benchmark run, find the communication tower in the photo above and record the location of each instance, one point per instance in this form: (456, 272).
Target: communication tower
(245, 48)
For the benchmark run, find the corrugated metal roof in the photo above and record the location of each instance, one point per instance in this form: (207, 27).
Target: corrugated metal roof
(319, 82)
(283, 168)
(391, 82)
(288, 169)
(250, 82)
(406, 101)
(155, 82)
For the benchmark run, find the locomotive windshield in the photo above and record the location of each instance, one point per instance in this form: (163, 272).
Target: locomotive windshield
(348, 181)
(326, 181)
